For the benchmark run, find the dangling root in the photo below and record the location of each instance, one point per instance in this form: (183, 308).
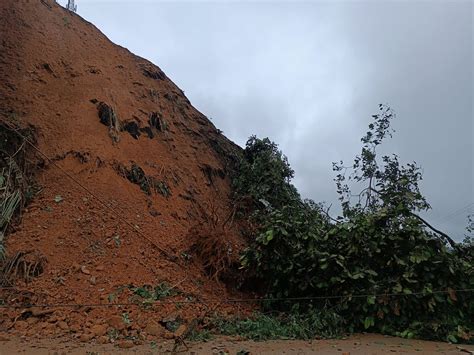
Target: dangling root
(212, 248)
(23, 266)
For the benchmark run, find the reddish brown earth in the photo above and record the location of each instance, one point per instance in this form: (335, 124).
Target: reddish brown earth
(92, 229)
(366, 344)
(55, 68)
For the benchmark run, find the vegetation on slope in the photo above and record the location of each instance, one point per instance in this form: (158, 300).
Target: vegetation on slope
(16, 188)
(380, 264)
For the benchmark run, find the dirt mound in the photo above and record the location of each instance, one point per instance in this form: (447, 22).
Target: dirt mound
(126, 167)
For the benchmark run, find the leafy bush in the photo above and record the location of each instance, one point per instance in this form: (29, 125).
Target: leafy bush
(385, 267)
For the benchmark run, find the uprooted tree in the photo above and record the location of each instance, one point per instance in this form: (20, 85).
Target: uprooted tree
(380, 265)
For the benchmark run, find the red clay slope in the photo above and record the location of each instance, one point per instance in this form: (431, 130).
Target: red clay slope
(55, 68)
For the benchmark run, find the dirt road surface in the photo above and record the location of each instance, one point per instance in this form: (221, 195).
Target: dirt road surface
(354, 345)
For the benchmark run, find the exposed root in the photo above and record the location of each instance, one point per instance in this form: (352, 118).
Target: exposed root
(16, 171)
(23, 266)
(211, 243)
(212, 248)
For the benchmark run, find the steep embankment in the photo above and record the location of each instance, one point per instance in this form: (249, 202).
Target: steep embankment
(158, 169)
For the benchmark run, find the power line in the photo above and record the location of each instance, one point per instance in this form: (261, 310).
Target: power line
(231, 300)
(456, 212)
(173, 259)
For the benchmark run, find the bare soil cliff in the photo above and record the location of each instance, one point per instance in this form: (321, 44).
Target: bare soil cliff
(126, 173)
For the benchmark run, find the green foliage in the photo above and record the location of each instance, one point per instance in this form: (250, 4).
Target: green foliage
(286, 248)
(8, 207)
(199, 335)
(379, 262)
(466, 248)
(146, 294)
(126, 319)
(389, 185)
(311, 324)
(150, 294)
(66, 22)
(10, 200)
(16, 187)
(265, 175)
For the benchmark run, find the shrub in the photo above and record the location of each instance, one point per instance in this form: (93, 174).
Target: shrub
(380, 263)
(315, 323)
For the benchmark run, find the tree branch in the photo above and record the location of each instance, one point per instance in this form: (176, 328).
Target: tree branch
(437, 231)
(447, 237)
(328, 215)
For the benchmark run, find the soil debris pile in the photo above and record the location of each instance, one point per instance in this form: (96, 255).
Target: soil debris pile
(124, 167)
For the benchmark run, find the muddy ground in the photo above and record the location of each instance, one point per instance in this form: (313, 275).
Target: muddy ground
(356, 344)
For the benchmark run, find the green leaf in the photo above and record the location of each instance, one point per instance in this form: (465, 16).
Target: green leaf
(371, 300)
(371, 272)
(397, 288)
(452, 339)
(269, 235)
(368, 322)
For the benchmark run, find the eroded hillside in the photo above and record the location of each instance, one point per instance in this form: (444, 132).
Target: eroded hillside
(126, 167)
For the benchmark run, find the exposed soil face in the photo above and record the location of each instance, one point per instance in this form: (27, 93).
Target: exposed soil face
(129, 168)
(355, 345)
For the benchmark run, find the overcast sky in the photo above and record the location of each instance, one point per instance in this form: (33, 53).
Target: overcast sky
(309, 74)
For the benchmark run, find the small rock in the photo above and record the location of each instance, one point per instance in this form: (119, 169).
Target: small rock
(32, 320)
(38, 312)
(180, 331)
(31, 332)
(63, 325)
(116, 322)
(125, 344)
(103, 340)
(99, 330)
(93, 280)
(75, 328)
(85, 270)
(154, 329)
(85, 337)
(76, 266)
(172, 317)
(154, 212)
(100, 268)
(21, 325)
(168, 335)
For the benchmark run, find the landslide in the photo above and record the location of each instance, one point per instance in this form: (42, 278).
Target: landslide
(128, 179)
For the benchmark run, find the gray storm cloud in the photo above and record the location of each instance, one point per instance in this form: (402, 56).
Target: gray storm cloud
(309, 75)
